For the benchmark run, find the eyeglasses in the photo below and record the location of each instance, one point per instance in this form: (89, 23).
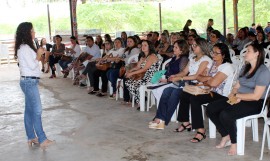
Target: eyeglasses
(194, 45)
(215, 53)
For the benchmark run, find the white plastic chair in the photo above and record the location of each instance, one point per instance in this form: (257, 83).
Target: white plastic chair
(58, 69)
(4, 53)
(267, 63)
(241, 125)
(268, 47)
(232, 53)
(265, 134)
(150, 97)
(267, 53)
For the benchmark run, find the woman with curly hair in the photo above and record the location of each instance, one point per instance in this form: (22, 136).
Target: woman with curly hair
(29, 57)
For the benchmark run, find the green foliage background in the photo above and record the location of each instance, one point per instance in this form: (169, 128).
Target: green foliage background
(144, 16)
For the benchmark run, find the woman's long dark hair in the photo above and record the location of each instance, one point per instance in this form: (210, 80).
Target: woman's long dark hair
(23, 36)
(134, 46)
(41, 42)
(225, 52)
(74, 38)
(151, 48)
(260, 60)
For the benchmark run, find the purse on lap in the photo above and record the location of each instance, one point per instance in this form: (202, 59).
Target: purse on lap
(66, 58)
(197, 89)
(138, 76)
(103, 66)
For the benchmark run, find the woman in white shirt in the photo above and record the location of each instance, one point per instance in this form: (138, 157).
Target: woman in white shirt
(74, 51)
(29, 57)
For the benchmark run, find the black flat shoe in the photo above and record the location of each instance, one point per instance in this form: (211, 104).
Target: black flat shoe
(100, 95)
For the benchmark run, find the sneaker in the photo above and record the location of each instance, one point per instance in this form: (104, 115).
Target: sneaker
(82, 85)
(158, 126)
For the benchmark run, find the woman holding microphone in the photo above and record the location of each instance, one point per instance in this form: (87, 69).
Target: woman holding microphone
(28, 57)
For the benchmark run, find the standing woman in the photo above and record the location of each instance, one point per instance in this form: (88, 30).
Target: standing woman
(29, 57)
(247, 96)
(186, 27)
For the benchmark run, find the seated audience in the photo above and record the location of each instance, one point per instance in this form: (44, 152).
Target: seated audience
(218, 79)
(169, 100)
(113, 74)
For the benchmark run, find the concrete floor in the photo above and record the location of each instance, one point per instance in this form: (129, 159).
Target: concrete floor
(89, 128)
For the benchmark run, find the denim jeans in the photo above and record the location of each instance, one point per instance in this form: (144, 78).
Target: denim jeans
(113, 75)
(33, 109)
(168, 103)
(64, 64)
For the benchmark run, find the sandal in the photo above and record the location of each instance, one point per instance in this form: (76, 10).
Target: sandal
(52, 76)
(65, 75)
(185, 127)
(100, 95)
(197, 140)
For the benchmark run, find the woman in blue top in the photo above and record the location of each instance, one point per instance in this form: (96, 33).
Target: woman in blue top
(247, 97)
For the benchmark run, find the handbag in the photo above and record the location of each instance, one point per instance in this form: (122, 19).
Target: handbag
(138, 76)
(103, 66)
(197, 89)
(122, 71)
(66, 58)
